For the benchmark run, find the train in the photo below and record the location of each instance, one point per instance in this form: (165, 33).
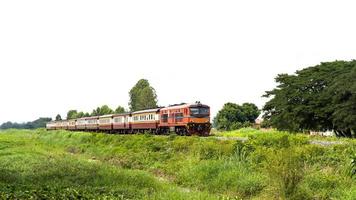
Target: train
(183, 119)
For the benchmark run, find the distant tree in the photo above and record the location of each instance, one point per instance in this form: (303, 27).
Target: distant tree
(233, 116)
(119, 110)
(142, 96)
(103, 110)
(39, 123)
(95, 112)
(58, 117)
(317, 98)
(72, 114)
(7, 125)
(80, 115)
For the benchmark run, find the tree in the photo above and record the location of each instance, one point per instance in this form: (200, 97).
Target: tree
(103, 110)
(119, 110)
(39, 123)
(233, 116)
(250, 111)
(58, 117)
(142, 96)
(72, 114)
(95, 112)
(318, 98)
(8, 125)
(80, 115)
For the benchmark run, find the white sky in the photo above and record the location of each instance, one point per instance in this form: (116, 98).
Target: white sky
(61, 55)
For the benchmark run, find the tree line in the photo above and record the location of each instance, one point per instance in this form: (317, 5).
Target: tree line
(38, 123)
(103, 110)
(317, 98)
(142, 96)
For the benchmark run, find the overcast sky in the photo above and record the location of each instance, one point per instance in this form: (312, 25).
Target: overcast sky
(61, 55)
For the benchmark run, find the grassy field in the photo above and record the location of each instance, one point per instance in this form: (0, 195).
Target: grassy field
(269, 165)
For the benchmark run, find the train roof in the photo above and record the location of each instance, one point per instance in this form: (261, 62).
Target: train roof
(147, 111)
(105, 116)
(64, 120)
(93, 117)
(121, 114)
(85, 118)
(114, 115)
(184, 105)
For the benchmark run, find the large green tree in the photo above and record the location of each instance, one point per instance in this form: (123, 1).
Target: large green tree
(233, 116)
(142, 96)
(317, 98)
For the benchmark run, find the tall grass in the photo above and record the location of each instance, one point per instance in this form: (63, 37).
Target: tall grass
(269, 165)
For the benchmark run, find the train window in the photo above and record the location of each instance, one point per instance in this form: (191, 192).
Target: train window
(165, 118)
(179, 117)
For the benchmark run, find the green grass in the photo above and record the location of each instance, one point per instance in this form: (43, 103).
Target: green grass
(269, 165)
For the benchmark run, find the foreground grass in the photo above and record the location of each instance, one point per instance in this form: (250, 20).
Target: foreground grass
(270, 165)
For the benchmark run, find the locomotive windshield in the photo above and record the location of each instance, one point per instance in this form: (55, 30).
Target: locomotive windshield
(201, 111)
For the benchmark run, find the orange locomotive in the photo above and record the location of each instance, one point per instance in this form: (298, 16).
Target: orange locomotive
(184, 119)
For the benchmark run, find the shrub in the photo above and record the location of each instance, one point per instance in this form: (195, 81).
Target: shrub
(352, 167)
(286, 169)
(242, 151)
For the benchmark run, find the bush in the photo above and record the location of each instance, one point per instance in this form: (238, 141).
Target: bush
(287, 172)
(233, 116)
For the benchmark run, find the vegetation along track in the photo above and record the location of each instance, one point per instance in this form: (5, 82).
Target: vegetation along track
(70, 165)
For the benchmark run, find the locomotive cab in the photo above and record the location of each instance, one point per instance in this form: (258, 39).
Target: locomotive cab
(199, 119)
(185, 119)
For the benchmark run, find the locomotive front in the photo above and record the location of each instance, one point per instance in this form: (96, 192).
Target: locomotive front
(199, 119)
